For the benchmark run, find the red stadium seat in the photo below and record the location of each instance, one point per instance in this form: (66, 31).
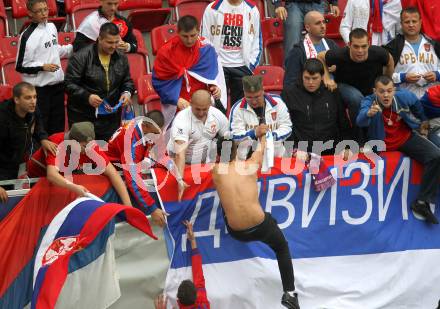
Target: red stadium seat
(70, 5)
(273, 77)
(5, 92)
(4, 26)
(19, 10)
(274, 53)
(333, 26)
(195, 8)
(172, 5)
(8, 47)
(9, 75)
(273, 37)
(147, 96)
(272, 28)
(160, 35)
(77, 10)
(79, 13)
(125, 5)
(145, 14)
(147, 19)
(262, 8)
(139, 65)
(140, 40)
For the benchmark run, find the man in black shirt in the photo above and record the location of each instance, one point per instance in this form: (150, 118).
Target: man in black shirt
(357, 66)
(20, 124)
(318, 113)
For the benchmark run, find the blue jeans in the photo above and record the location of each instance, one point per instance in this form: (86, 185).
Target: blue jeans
(434, 136)
(352, 99)
(294, 23)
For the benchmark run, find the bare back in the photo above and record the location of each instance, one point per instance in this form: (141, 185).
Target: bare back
(236, 184)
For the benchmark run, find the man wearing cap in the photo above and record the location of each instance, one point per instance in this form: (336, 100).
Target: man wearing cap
(97, 75)
(130, 148)
(257, 113)
(193, 132)
(75, 149)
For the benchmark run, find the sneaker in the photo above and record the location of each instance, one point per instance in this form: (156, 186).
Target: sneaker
(423, 209)
(289, 301)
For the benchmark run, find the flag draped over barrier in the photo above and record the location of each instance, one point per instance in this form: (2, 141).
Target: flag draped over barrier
(73, 231)
(354, 245)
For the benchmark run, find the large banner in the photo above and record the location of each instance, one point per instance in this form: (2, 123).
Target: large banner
(22, 229)
(354, 245)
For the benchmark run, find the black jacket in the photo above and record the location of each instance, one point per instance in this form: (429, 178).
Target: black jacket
(318, 116)
(82, 41)
(85, 76)
(16, 138)
(295, 61)
(395, 47)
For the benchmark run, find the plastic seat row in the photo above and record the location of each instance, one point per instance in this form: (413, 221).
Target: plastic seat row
(139, 62)
(273, 77)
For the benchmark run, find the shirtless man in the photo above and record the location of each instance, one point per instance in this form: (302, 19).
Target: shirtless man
(236, 184)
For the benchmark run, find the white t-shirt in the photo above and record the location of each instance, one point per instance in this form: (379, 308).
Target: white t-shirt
(230, 53)
(418, 61)
(199, 136)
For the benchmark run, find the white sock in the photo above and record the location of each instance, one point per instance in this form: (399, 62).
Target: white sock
(291, 293)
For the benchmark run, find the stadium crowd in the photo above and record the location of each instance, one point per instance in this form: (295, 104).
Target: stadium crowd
(380, 80)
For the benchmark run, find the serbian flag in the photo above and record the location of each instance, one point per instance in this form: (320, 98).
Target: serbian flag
(176, 62)
(431, 102)
(23, 227)
(71, 231)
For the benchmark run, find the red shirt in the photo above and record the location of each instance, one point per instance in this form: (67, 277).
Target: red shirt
(129, 155)
(202, 301)
(36, 167)
(397, 131)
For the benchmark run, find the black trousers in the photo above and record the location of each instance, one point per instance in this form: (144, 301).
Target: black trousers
(50, 102)
(234, 85)
(269, 233)
(425, 152)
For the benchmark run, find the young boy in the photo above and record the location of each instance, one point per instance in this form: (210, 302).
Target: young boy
(38, 60)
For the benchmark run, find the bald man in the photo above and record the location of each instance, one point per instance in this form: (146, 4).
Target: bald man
(194, 132)
(313, 43)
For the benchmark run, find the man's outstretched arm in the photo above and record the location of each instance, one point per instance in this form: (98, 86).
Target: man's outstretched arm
(258, 155)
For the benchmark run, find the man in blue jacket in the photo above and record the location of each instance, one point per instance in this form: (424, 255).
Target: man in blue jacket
(393, 116)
